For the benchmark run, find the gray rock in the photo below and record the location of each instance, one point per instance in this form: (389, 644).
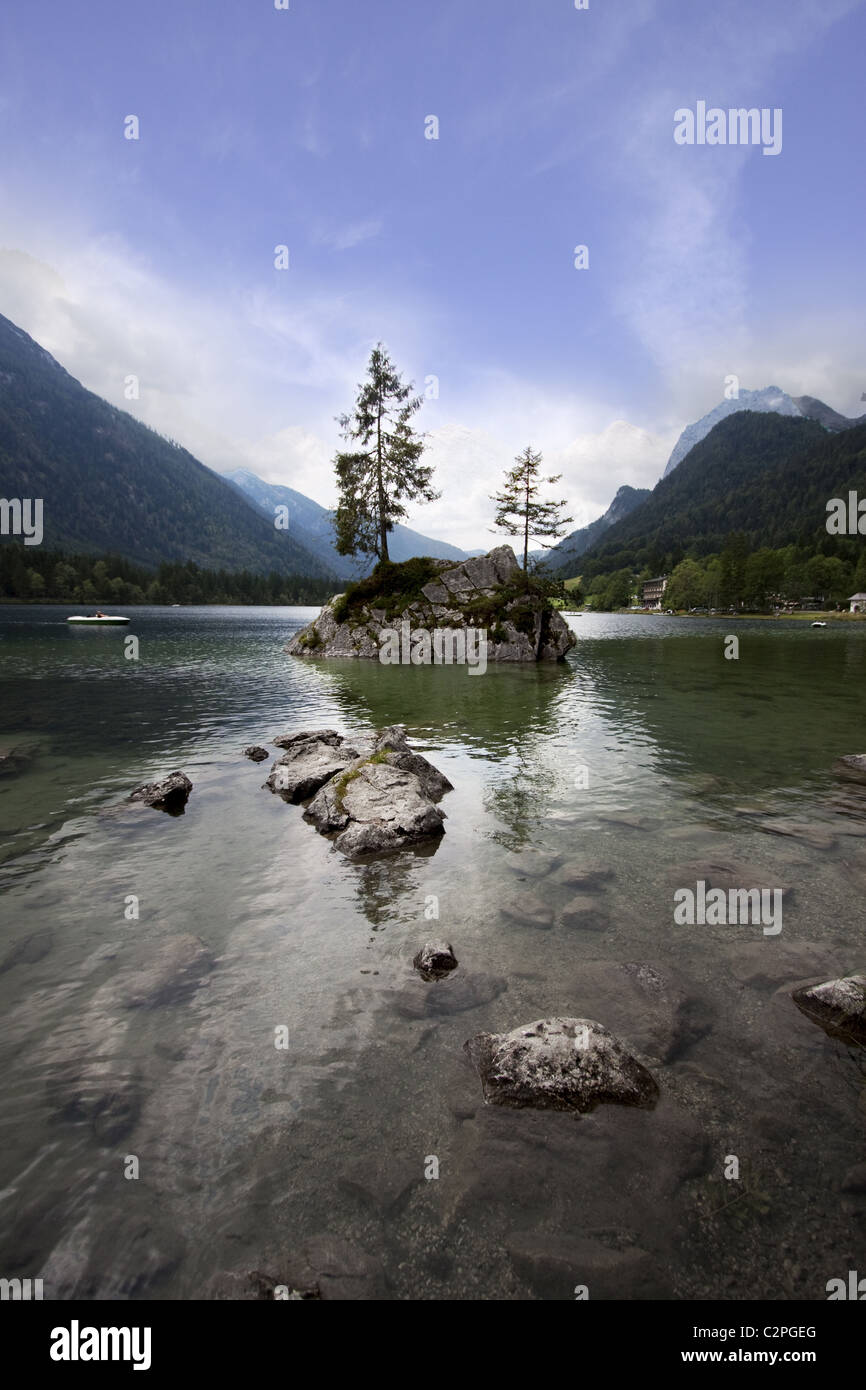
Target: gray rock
(436, 593)
(171, 794)
(559, 1064)
(444, 602)
(256, 753)
(435, 960)
(305, 735)
(852, 766)
(310, 760)
(837, 1006)
(375, 808)
(434, 784)
(393, 742)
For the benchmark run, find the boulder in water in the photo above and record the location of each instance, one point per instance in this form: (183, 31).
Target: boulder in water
(837, 1006)
(256, 753)
(308, 762)
(559, 1064)
(171, 794)
(435, 960)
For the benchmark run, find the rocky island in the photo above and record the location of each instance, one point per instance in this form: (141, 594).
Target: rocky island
(430, 612)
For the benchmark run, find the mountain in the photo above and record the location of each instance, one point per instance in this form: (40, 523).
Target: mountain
(313, 527)
(110, 484)
(573, 545)
(769, 399)
(763, 474)
(814, 409)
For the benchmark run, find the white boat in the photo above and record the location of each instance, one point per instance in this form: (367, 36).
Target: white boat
(819, 624)
(104, 620)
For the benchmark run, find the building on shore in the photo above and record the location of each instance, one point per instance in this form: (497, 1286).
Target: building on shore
(653, 591)
(858, 603)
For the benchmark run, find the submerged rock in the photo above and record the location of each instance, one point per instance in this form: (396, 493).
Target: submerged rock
(15, 760)
(256, 753)
(435, 960)
(171, 970)
(99, 1093)
(309, 761)
(171, 794)
(559, 1064)
(551, 1264)
(456, 995)
(527, 910)
(654, 1006)
(29, 950)
(837, 1006)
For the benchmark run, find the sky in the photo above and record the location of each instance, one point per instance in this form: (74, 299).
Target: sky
(307, 127)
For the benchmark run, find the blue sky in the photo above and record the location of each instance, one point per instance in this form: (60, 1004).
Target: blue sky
(306, 127)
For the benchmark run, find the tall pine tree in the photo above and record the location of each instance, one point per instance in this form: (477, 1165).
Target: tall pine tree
(519, 512)
(374, 478)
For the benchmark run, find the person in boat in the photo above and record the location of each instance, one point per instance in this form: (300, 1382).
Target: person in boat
(99, 613)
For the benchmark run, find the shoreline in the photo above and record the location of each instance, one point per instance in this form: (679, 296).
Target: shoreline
(811, 615)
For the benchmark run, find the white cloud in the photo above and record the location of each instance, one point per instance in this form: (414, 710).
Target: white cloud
(213, 372)
(346, 237)
(470, 464)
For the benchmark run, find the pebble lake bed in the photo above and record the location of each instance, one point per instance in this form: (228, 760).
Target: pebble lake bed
(227, 998)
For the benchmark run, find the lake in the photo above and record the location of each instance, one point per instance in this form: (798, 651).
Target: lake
(584, 796)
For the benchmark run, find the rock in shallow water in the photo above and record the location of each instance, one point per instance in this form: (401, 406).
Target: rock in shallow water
(171, 794)
(837, 1006)
(382, 802)
(435, 960)
(256, 753)
(376, 808)
(310, 760)
(559, 1064)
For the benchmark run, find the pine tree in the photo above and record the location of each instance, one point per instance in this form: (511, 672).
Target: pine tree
(518, 509)
(374, 480)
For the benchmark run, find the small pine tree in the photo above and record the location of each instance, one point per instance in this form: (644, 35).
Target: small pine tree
(374, 480)
(518, 509)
